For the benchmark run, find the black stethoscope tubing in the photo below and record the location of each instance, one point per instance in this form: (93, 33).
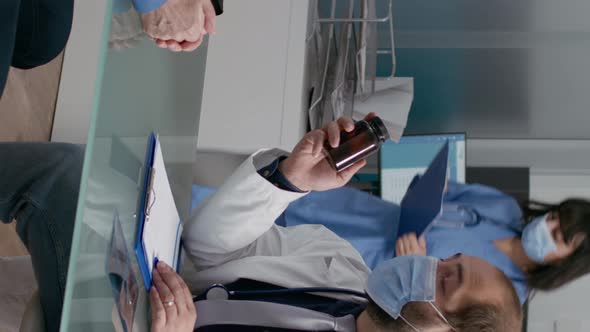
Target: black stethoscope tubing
(286, 291)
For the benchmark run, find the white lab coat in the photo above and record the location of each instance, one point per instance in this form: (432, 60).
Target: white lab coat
(233, 236)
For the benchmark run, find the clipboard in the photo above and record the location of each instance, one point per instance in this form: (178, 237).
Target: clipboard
(155, 188)
(424, 198)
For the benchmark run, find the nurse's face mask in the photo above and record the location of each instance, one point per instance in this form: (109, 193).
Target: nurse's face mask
(401, 280)
(537, 240)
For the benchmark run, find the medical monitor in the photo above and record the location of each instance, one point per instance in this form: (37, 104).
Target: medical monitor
(400, 162)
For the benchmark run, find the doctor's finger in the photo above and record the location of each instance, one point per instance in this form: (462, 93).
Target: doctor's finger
(346, 123)
(157, 308)
(370, 116)
(333, 131)
(172, 281)
(316, 138)
(165, 294)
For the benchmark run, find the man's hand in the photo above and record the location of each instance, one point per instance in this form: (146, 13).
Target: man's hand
(409, 244)
(180, 25)
(171, 302)
(307, 167)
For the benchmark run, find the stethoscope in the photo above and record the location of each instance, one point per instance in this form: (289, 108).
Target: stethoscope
(473, 219)
(221, 292)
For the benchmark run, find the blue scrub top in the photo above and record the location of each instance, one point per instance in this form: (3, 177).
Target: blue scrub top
(370, 224)
(367, 222)
(500, 217)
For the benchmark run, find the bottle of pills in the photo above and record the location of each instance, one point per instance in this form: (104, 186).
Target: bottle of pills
(363, 141)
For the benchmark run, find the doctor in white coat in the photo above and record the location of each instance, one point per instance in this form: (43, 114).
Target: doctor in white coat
(233, 237)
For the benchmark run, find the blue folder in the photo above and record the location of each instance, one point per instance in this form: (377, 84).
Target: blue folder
(140, 252)
(423, 200)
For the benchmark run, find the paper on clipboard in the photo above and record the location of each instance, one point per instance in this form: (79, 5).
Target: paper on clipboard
(162, 226)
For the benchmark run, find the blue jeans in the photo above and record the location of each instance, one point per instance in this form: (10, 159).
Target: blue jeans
(39, 184)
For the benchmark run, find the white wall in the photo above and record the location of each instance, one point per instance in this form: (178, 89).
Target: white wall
(253, 95)
(79, 74)
(254, 90)
(559, 169)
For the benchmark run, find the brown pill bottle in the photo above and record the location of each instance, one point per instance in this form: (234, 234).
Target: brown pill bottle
(363, 141)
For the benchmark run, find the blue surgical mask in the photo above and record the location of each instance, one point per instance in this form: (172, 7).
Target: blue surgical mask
(537, 240)
(401, 280)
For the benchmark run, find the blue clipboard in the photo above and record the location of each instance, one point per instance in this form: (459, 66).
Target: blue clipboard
(423, 200)
(142, 214)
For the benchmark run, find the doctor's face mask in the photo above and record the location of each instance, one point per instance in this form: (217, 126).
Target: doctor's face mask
(401, 280)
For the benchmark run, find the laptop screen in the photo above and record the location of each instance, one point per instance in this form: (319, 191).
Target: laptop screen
(400, 162)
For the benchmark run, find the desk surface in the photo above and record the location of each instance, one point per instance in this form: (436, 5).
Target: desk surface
(142, 89)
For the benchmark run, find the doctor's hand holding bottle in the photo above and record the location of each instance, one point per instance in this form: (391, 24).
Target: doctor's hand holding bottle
(307, 167)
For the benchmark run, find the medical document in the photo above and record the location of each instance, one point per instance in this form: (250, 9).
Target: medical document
(162, 227)
(395, 182)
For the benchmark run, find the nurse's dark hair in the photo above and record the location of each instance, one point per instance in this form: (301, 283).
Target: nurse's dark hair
(574, 218)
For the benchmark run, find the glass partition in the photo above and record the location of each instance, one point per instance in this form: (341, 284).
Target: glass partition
(139, 90)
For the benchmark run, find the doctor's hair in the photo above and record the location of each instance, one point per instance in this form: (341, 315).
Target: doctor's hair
(474, 318)
(574, 218)
(485, 317)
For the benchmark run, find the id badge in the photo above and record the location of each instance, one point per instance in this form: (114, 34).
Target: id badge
(121, 276)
